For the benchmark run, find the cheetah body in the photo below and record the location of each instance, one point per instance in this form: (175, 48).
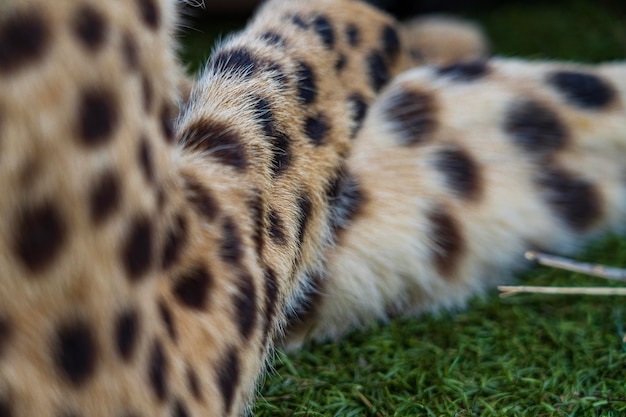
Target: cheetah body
(154, 244)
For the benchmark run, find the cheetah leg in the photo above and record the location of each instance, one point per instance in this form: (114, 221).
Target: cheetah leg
(463, 170)
(89, 214)
(276, 109)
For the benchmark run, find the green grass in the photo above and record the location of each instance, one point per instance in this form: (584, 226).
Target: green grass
(521, 356)
(580, 30)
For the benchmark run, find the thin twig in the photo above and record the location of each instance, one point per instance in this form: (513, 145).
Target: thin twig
(601, 397)
(367, 402)
(601, 271)
(512, 290)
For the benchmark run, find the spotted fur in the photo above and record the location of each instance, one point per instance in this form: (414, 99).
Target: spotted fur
(473, 165)
(156, 239)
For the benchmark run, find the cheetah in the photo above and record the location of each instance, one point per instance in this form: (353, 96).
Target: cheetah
(155, 241)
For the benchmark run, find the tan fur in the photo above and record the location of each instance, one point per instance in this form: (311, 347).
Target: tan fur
(383, 264)
(444, 40)
(85, 279)
(148, 265)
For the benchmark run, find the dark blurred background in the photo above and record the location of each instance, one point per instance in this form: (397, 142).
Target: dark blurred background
(526, 28)
(400, 8)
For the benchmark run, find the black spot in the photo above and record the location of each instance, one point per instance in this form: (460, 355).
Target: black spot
(413, 115)
(354, 35)
(126, 333)
(257, 214)
(145, 159)
(5, 408)
(341, 63)
(231, 248)
(150, 13)
(90, 27)
(192, 288)
(137, 251)
(273, 38)
(278, 74)
(201, 198)
(157, 371)
(193, 384)
(345, 199)
(316, 128)
(6, 331)
(574, 201)
(378, 70)
(217, 140)
(104, 197)
(535, 127)
(180, 410)
(281, 156)
(148, 96)
(358, 110)
(276, 228)
(245, 305)
(40, 234)
(75, 352)
(305, 311)
(167, 319)
(228, 378)
(175, 241)
(167, 122)
(307, 85)
(305, 208)
(298, 21)
(239, 62)
(391, 42)
(325, 30)
(281, 153)
(465, 71)
(586, 91)
(130, 52)
(24, 39)
(271, 300)
(448, 242)
(97, 118)
(461, 172)
(263, 113)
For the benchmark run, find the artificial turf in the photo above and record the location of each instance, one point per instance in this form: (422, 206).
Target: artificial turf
(527, 355)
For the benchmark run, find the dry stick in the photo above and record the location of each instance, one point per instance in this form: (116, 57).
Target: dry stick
(574, 266)
(367, 402)
(512, 290)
